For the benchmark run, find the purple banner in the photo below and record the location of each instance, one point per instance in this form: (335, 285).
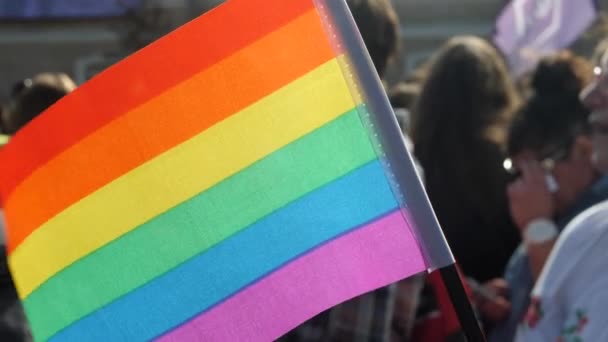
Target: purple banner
(32, 9)
(528, 29)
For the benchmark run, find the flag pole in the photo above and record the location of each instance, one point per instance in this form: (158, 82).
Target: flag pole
(390, 148)
(462, 306)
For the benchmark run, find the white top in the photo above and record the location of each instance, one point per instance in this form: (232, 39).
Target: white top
(570, 299)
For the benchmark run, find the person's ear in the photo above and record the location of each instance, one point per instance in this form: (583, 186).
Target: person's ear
(582, 148)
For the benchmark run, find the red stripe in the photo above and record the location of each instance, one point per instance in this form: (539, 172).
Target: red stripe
(141, 77)
(181, 112)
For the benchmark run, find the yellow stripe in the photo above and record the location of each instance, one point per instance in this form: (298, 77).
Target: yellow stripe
(181, 173)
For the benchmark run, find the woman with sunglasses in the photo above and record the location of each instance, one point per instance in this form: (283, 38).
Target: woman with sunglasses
(550, 153)
(570, 299)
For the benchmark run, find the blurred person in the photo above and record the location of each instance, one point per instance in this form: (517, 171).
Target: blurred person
(378, 24)
(29, 98)
(570, 301)
(550, 151)
(459, 124)
(386, 314)
(402, 97)
(435, 319)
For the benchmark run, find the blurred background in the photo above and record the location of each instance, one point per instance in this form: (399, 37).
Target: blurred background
(82, 37)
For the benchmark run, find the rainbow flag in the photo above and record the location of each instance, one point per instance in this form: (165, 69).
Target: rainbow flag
(225, 183)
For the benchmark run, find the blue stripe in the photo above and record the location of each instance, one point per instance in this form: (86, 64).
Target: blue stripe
(211, 277)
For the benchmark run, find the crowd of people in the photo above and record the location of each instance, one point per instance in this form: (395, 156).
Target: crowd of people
(516, 169)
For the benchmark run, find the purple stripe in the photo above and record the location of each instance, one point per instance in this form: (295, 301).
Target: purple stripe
(375, 255)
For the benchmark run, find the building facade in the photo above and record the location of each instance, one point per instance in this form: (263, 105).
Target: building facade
(84, 46)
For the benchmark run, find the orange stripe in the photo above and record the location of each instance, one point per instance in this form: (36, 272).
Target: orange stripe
(165, 121)
(147, 73)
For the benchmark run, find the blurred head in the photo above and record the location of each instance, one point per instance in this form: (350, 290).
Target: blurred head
(595, 97)
(379, 26)
(466, 94)
(402, 97)
(551, 127)
(460, 118)
(31, 97)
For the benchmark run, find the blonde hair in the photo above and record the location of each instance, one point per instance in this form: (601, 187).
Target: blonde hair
(56, 80)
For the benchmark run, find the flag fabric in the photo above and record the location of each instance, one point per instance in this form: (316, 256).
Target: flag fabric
(528, 29)
(225, 183)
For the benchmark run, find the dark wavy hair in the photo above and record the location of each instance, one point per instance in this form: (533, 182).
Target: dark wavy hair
(460, 122)
(552, 115)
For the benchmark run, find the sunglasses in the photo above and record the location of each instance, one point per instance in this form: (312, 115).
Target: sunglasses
(547, 162)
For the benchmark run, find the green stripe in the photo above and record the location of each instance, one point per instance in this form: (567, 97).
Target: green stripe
(199, 223)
